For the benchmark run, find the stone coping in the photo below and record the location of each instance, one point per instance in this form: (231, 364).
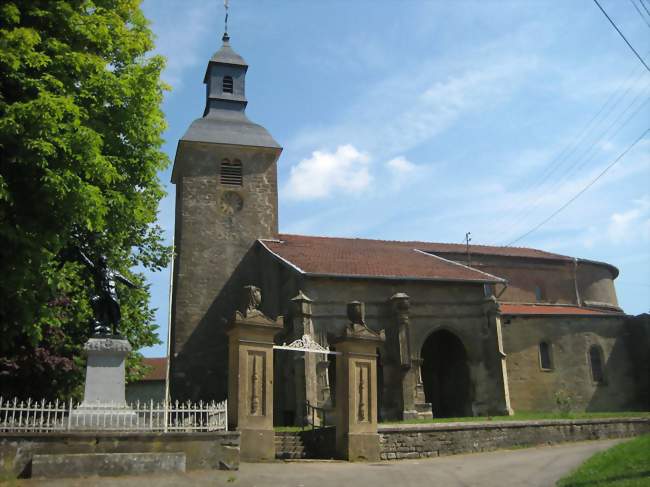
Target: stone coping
(469, 425)
(121, 434)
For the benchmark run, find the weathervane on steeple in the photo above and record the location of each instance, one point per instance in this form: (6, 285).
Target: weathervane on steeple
(226, 37)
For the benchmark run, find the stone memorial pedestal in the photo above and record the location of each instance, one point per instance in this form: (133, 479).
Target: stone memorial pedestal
(104, 405)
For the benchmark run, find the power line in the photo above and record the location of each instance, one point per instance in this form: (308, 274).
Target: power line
(572, 146)
(621, 34)
(580, 160)
(577, 195)
(640, 13)
(644, 6)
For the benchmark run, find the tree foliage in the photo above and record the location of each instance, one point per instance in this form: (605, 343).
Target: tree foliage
(80, 145)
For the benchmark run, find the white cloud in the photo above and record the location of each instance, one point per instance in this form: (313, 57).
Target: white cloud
(401, 171)
(401, 165)
(631, 225)
(325, 173)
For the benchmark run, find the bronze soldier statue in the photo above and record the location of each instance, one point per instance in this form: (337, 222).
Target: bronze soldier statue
(105, 303)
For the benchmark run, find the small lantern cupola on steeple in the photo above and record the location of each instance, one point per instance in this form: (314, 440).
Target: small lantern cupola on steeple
(225, 80)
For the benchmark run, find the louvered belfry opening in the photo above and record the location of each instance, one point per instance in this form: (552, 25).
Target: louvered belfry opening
(231, 172)
(227, 84)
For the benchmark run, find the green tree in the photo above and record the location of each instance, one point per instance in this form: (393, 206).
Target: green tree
(80, 145)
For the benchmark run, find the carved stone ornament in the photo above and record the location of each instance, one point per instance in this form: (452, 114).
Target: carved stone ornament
(355, 311)
(401, 302)
(305, 344)
(251, 300)
(107, 345)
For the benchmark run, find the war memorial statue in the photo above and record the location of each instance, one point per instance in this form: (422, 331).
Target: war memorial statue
(105, 302)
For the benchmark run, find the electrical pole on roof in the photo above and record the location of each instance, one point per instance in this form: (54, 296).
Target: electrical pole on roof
(468, 239)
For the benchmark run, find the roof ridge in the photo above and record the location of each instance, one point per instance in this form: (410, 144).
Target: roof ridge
(422, 242)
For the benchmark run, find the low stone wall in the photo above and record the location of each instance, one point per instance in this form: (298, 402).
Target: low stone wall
(432, 440)
(218, 450)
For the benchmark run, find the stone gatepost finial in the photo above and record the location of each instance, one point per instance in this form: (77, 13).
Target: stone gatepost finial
(356, 311)
(251, 300)
(400, 302)
(302, 304)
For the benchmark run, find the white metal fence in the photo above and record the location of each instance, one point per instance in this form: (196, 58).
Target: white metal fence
(46, 416)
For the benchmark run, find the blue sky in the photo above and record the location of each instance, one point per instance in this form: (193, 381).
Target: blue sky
(426, 120)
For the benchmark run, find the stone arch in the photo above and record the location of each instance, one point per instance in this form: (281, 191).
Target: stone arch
(446, 374)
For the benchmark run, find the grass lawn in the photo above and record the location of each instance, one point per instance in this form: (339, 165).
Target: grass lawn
(624, 465)
(528, 416)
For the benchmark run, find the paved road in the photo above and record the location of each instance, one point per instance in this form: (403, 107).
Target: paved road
(530, 467)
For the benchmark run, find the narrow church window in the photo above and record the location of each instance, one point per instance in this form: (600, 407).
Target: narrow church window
(227, 84)
(539, 294)
(596, 361)
(545, 356)
(231, 172)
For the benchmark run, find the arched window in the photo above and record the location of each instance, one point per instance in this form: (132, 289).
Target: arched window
(227, 84)
(596, 362)
(539, 293)
(231, 172)
(545, 362)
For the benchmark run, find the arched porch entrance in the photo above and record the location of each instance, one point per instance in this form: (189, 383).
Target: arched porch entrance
(445, 375)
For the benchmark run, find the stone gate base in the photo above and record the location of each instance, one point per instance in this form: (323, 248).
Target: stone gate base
(432, 440)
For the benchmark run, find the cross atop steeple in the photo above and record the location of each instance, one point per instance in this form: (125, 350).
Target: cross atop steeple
(225, 26)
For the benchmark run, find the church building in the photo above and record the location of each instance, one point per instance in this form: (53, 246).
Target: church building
(470, 330)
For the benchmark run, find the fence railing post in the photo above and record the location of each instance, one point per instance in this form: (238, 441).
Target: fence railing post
(39, 416)
(69, 415)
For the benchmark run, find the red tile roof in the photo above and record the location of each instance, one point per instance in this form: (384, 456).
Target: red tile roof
(348, 257)
(550, 309)
(159, 370)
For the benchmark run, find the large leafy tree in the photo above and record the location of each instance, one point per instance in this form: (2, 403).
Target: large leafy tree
(80, 148)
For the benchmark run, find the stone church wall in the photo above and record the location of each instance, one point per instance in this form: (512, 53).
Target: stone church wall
(569, 378)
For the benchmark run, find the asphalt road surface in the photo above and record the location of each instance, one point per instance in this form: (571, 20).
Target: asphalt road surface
(530, 467)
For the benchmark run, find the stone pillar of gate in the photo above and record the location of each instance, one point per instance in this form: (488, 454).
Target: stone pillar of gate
(494, 336)
(400, 306)
(304, 363)
(414, 404)
(250, 377)
(356, 389)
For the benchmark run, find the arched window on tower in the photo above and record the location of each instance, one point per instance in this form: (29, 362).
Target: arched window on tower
(596, 362)
(545, 362)
(227, 84)
(231, 172)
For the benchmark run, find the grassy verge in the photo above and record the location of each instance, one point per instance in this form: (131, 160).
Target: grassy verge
(624, 465)
(531, 416)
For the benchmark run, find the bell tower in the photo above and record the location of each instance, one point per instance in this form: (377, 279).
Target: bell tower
(225, 172)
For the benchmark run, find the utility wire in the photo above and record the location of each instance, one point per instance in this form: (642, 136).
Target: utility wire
(570, 151)
(621, 34)
(644, 6)
(640, 13)
(573, 167)
(577, 195)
